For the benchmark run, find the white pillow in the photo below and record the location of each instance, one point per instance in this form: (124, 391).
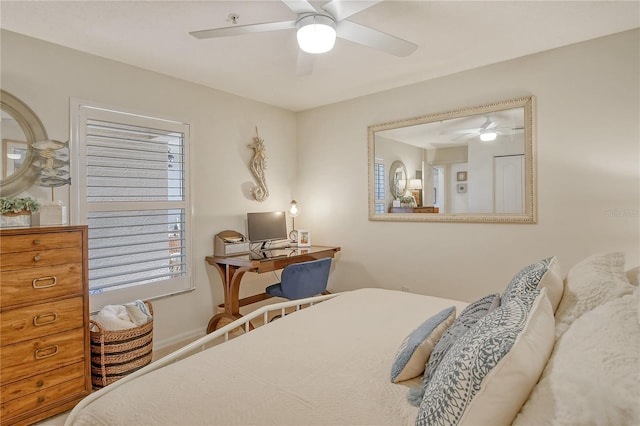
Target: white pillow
(592, 375)
(589, 284)
(414, 351)
(543, 274)
(489, 372)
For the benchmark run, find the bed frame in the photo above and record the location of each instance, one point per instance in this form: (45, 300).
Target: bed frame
(201, 344)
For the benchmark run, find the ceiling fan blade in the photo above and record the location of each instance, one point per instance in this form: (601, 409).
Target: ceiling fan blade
(243, 29)
(299, 6)
(465, 132)
(373, 38)
(304, 64)
(464, 136)
(343, 9)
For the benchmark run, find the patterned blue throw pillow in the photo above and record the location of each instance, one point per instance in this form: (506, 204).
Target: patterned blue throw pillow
(469, 388)
(463, 323)
(417, 346)
(545, 273)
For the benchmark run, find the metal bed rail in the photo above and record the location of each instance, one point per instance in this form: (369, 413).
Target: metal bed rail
(200, 345)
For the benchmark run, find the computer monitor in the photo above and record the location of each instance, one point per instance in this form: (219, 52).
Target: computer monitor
(266, 226)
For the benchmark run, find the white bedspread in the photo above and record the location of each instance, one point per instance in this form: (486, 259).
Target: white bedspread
(328, 364)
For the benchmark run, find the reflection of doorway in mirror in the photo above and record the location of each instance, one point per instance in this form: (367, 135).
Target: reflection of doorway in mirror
(438, 188)
(13, 156)
(509, 184)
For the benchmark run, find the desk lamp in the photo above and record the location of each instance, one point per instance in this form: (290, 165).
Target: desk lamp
(293, 211)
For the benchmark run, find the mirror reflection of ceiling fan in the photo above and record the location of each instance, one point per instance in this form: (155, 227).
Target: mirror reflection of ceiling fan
(488, 131)
(317, 30)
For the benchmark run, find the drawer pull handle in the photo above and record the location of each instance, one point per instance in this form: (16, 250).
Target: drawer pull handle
(40, 383)
(36, 242)
(49, 351)
(52, 317)
(41, 399)
(50, 282)
(36, 258)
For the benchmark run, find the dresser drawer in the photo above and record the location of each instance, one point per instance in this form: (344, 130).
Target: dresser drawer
(40, 355)
(37, 284)
(44, 241)
(34, 321)
(39, 400)
(42, 381)
(30, 259)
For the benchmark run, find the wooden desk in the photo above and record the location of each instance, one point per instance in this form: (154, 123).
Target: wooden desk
(232, 268)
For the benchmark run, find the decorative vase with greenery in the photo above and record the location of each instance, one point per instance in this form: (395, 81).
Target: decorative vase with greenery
(407, 201)
(17, 211)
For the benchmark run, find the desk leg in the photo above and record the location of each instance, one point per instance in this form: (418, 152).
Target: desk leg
(214, 322)
(231, 277)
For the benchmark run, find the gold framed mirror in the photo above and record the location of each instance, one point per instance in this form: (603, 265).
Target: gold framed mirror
(475, 164)
(21, 127)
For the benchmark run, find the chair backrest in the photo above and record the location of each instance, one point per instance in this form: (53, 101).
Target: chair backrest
(305, 279)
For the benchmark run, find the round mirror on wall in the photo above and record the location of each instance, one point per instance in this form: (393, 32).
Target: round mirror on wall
(21, 127)
(398, 179)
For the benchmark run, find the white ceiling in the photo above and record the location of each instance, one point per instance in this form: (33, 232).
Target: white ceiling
(434, 134)
(452, 36)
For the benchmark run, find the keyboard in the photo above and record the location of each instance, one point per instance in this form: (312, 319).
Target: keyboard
(271, 253)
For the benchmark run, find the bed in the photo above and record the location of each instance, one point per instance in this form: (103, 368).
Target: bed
(336, 362)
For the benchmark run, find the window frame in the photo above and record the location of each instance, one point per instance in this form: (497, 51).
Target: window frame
(379, 186)
(80, 112)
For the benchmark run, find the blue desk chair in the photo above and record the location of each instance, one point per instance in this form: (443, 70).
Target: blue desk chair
(301, 280)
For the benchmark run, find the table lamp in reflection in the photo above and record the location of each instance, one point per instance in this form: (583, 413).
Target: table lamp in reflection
(415, 186)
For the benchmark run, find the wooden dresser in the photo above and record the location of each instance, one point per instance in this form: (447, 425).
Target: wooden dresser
(44, 314)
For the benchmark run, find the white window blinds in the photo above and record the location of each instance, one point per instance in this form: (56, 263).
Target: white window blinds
(133, 192)
(379, 187)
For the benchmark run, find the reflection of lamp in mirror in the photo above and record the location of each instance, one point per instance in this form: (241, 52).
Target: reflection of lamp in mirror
(415, 185)
(488, 136)
(293, 211)
(51, 165)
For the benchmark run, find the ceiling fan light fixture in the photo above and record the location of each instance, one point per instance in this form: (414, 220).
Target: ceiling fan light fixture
(316, 33)
(488, 136)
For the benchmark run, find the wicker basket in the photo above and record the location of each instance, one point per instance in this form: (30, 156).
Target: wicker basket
(116, 353)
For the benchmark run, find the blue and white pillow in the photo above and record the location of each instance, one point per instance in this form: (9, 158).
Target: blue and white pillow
(414, 351)
(489, 372)
(543, 274)
(463, 323)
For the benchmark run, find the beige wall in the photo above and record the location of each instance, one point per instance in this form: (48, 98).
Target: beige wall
(588, 173)
(45, 76)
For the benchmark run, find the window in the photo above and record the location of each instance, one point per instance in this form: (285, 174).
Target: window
(379, 187)
(131, 186)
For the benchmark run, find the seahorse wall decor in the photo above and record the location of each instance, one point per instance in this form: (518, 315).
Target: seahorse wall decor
(258, 165)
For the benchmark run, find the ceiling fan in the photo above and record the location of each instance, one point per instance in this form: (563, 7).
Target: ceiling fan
(488, 131)
(317, 30)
